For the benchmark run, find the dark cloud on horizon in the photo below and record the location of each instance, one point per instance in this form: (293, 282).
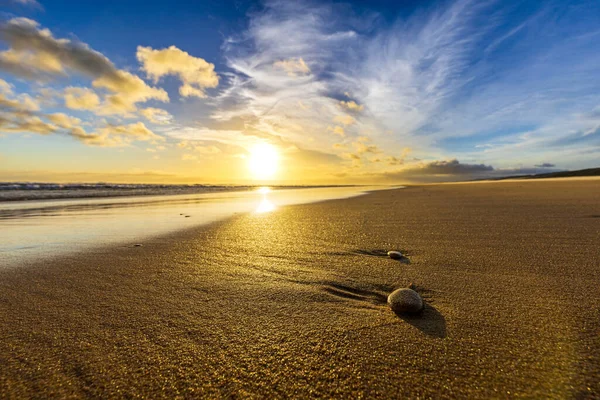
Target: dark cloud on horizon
(454, 170)
(437, 171)
(499, 173)
(453, 167)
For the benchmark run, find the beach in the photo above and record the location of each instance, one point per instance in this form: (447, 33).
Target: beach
(292, 303)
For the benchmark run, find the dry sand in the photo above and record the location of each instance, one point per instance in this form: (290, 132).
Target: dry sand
(292, 303)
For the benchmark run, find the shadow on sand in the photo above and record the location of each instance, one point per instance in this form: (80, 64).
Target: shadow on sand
(430, 322)
(353, 293)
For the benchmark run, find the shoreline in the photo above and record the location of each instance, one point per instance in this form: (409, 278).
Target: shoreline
(143, 191)
(292, 303)
(35, 230)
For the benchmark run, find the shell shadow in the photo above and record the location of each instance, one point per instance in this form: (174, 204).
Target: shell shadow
(430, 321)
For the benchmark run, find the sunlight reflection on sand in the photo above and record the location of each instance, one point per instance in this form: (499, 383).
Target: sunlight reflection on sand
(265, 204)
(32, 230)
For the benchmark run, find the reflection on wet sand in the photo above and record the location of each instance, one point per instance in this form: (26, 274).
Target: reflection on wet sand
(265, 204)
(31, 230)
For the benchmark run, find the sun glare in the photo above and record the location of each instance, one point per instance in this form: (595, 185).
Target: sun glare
(263, 161)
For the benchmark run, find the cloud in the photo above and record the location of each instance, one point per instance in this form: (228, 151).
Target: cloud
(401, 73)
(29, 102)
(23, 103)
(198, 146)
(545, 165)
(392, 160)
(64, 120)
(77, 98)
(471, 80)
(452, 167)
(315, 159)
(35, 54)
(207, 149)
(293, 66)
(26, 124)
(433, 171)
(277, 85)
(137, 129)
(344, 119)
(128, 90)
(20, 114)
(441, 80)
(194, 136)
(157, 115)
(27, 3)
(114, 135)
(195, 73)
(189, 157)
(352, 106)
(338, 130)
(362, 148)
(5, 87)
(439, 170)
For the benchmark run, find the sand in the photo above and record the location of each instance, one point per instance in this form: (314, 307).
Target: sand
(293, 303)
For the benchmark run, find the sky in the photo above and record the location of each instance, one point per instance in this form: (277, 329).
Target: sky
(339, 92)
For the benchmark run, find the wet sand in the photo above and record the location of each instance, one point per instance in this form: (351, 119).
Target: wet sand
(292, 303)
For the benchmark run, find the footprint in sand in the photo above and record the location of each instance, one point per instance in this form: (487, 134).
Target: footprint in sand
(353, 293)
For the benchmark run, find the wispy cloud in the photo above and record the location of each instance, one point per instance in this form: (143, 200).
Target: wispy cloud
(486, 82)
(26, 3)
(468, 69)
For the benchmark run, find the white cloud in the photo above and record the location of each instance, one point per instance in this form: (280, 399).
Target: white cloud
(293, 66)
(192, 136)
(352, 106)
(81, 98)
(5, 87)
(422, 82)
(63, 120)
(34, 53)
(195, 73)
(157, 115)
(28, 3)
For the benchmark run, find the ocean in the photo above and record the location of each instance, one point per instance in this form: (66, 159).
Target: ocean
(45, 220)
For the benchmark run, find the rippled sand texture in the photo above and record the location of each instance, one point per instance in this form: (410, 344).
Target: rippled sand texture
(293, 303)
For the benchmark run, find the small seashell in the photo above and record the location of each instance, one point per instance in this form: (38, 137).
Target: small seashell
(405, 301)
(395, 255)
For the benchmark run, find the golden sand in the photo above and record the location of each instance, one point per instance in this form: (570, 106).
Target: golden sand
(292, 303)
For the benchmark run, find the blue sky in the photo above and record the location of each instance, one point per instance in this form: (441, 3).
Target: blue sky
(363, 91)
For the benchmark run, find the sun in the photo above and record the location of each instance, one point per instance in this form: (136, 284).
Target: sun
(263, 161)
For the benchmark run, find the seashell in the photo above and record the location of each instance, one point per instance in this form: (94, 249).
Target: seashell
(405, 301)
(395, 255)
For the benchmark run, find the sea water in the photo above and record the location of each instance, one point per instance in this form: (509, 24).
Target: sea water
(37, 229)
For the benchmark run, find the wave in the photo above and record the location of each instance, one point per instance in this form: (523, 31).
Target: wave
(20, 191)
